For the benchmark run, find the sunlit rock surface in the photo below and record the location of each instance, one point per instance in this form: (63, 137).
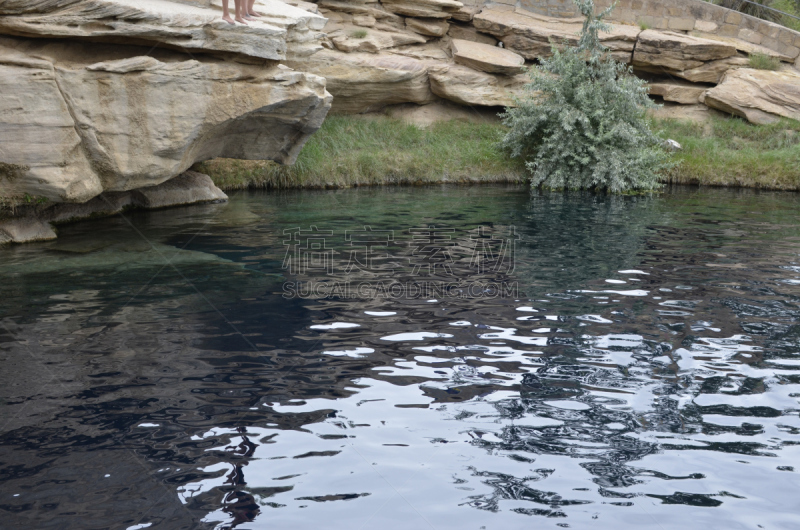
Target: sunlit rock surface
(760, 96)
(169, 23)
(700, 52)
(469, 87)
(364, 82)
(531, 35)
(486, 58)
(118, 122)
(114, 95)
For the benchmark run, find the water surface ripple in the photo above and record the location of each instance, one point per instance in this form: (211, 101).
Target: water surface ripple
(642, 370)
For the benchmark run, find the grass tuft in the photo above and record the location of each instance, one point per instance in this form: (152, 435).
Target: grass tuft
(761, 61)
(733, 152)
(359, 34)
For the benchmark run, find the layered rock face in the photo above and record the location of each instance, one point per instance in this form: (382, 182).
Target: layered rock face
(107, 96)
(80, 118)
(193, 27)
(411, 51)
(415, 51)
(760, 96)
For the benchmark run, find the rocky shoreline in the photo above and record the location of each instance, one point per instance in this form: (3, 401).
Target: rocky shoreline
(102, 102)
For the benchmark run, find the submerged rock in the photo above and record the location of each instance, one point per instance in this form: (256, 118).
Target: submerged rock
(34, 224)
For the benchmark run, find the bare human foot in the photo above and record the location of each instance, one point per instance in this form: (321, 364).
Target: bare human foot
(240, 20)
(248, 8)
(229, 20)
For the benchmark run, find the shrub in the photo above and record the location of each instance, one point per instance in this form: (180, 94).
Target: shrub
(583, 124)
(359, 34)
(763, 61)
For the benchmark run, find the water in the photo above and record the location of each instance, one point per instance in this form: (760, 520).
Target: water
(600, 362)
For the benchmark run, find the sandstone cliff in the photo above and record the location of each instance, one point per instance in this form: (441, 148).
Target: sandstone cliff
(378, 54)
(107, 96)
(100, 96)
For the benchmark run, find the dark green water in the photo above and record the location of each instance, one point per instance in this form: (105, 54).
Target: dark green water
(424, 358)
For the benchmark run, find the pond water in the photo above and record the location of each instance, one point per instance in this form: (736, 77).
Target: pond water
(408, 358)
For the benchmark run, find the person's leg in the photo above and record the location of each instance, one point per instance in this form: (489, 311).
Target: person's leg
(239, 11)
(250, 9)
(226, 14)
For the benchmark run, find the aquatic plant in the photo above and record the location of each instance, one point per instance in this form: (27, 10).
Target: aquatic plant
(583, 124)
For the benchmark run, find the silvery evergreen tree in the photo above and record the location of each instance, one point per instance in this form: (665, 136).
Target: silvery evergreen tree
(583, 123)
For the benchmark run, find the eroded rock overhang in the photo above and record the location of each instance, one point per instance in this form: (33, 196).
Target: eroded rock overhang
(103, 96)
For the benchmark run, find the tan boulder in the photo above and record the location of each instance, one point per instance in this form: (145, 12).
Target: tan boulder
(463, 32)
(363, 82)
(677, 91)
(189, 187)
(712, 71)
(432, 27)
(531, 35)
(743, 46)
(466, 13)
(354, 39)
(466, 86)
(677, 52)
(760, 96)
(430, 53)
(40, 150)
(355, 7)
(485, 58)
(423, 8)
(697, 113)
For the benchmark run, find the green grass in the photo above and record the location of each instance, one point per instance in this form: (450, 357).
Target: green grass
(366, 151)
(761, 61)
(359, 151)
(733, 152)
(359, 34)
(793, 8)
(644, 26)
